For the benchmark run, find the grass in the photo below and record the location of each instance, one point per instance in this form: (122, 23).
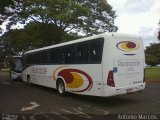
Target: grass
(152, 73)
(5, 70)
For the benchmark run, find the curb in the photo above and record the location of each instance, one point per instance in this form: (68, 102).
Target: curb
(153, 81)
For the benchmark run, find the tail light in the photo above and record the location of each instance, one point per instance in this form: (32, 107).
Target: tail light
(110, 80)
(144, 76)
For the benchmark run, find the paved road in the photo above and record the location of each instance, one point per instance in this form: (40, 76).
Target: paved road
(17, 97)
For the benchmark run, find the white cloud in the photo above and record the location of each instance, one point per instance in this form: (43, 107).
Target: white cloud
(149, 35)
(3, 27)
(117, 5)
(139, 17)
(138, 6)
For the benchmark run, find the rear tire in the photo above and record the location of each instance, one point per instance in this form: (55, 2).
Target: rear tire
(61, 87)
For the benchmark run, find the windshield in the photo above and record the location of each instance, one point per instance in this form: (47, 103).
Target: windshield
(17, 64)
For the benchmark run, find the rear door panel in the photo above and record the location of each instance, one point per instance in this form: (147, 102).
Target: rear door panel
(128, 61)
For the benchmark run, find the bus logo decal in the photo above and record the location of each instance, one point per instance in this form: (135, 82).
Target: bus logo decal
(128, 46)
(74, 78)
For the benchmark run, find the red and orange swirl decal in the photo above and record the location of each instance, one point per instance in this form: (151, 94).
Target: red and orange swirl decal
(74, 78)
(128, 46)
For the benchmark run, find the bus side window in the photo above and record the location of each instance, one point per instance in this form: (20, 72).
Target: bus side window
(44, 57)
(52, 56)
(24, 61)
(73, 54)
(56, 56)
(82, 53)
(69, 54)
(29, 59)
(95, 51)
(36, 58)
(59, 56)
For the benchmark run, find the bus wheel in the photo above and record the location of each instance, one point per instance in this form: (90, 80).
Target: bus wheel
(61, 87)
(28, 80)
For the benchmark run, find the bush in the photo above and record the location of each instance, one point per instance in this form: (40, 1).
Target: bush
(151, 60)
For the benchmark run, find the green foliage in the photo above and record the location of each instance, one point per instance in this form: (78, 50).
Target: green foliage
(5, 3)
(50, 22)
(87, 16)
(151, 60)
(154, 51)
(158, 35)
(34, 35)
(153, 54)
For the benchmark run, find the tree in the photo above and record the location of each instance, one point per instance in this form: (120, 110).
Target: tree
(159, 35)
(54, 21)
(50, 22)
(151, 60)
(87, 16)
(153, 54)
(3, 5)
(34, 35)
(159, 31)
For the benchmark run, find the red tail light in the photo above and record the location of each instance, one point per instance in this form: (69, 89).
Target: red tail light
(144, 77)
(110, 80)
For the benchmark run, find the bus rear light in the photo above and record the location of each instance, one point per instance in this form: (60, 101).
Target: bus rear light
(110, 80)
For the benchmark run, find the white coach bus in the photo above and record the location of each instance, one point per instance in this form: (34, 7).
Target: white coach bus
(16, 67)
(107, 64)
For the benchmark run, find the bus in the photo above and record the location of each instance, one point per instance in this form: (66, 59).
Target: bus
(16, 68)
(107, 64)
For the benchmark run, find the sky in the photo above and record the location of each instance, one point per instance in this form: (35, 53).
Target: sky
(139, 17)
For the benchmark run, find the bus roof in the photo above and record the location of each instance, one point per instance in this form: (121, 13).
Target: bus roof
(111, 34)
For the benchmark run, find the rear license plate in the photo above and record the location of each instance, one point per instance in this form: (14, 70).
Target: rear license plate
(129, 90)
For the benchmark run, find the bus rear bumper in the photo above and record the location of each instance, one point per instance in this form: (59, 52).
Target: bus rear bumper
(113, 91)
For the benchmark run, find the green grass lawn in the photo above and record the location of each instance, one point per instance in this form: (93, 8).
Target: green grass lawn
(152, 73)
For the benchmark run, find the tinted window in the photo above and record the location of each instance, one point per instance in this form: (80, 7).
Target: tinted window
(87, 52)
(82, 53)
(29, 59)
(44, 57)
(36, 58)
(95, 51)
(56, 56)
(69, 54)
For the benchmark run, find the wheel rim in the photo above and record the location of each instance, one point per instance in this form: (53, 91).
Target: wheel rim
(61, 88)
